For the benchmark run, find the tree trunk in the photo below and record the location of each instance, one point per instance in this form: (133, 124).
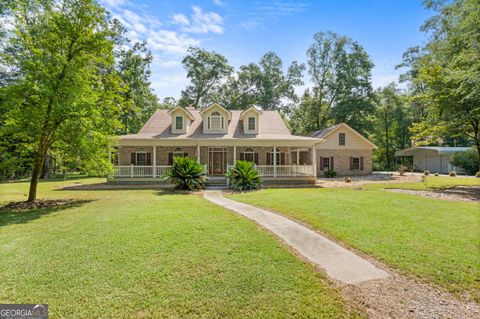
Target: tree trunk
(37, 168)
(45, 168)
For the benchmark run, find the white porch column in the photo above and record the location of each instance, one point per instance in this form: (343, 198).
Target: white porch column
(234, 154)
(154, 154)
(274, 161)
(298, 157)
(314, 160)
(198, 153)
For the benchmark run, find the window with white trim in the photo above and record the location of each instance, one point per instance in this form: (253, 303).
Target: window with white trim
(141, 156)
(249, 155)
(216, 122)
(326, 163)
(178, 123)
(251, 123)
(178, 152)
(341, 138)
(356, 163)
(277, 158)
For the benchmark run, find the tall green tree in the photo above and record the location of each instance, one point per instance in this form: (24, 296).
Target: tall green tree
(340, 72)
(138, 102)
(206, 71)
(448, 68)
(391, 122)
(62, 52)
(264, 84)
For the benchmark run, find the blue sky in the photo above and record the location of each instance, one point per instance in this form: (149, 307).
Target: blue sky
(244, 30)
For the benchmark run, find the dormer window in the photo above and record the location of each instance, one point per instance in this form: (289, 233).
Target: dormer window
(179, 123)
(251, 123)
(216, 122)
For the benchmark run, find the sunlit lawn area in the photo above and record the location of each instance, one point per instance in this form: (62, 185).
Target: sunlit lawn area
(434, 239)
(148, 253)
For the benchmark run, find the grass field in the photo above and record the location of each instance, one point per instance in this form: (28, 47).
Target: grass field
(146, 253)
(433, 239)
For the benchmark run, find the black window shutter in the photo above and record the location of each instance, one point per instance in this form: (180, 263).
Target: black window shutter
(269, 162)
(170, 158)
(351, 163)
(331, 163)
(132, 158)
(321, 163)
(361, 163)
(149, 158)
(242, 156)
(256, 158)
(282, 158)
(185, 154)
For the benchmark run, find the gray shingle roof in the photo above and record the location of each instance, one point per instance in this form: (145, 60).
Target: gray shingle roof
(323, 132)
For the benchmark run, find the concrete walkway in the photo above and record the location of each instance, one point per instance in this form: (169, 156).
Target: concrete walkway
(338, 262)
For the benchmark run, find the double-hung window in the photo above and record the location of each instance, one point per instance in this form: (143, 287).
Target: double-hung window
(356, 163)
(341, 139)
(216, 122)
(251, 124)
(325, 163)
(178, 123)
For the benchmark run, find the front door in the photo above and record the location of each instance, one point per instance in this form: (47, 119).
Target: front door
(217, 161)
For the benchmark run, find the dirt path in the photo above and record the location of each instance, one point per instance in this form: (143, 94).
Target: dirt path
(457, 193)
(401, 297)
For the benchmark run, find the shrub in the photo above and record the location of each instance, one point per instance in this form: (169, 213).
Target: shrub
(436, 174)
(467, 161)
(348, 179)
(452, 173)
(187, 174)
(243, 176)
(330, 173)
(477, 175)
(426, 173)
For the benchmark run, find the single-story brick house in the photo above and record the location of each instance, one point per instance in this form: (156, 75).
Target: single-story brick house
(218, 137)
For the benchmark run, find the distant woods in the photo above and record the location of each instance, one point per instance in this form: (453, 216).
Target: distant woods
(70, 79)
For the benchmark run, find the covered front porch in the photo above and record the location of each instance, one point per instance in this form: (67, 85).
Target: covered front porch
(151, 162)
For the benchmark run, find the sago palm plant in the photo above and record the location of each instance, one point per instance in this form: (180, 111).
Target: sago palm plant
(243, 176)
(187, 174)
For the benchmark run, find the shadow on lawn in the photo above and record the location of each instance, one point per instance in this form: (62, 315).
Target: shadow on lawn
(23, 212)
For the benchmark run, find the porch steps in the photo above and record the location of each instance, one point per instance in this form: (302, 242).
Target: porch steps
(216, 181)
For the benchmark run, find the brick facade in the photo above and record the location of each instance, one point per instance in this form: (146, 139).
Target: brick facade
(341, 161)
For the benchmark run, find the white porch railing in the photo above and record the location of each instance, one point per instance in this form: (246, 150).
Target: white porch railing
(285, 170)
(162, 170)
(133, 171)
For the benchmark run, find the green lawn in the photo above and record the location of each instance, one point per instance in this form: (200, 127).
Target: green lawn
(149, 253)
(433, 239)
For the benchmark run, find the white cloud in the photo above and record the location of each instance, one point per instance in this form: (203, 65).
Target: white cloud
(170, 41)
(114, 3)
(267, 12)
(180, 19)
(200, 21)
(219, 2)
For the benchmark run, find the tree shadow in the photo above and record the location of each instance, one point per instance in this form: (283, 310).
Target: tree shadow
(50, 179)
(23, 212)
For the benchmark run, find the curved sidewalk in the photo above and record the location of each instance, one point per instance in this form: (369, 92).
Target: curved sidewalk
(338, 262)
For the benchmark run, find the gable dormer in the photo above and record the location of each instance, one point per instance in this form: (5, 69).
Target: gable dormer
(251, 119)
(215, 119)
(181, 120)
